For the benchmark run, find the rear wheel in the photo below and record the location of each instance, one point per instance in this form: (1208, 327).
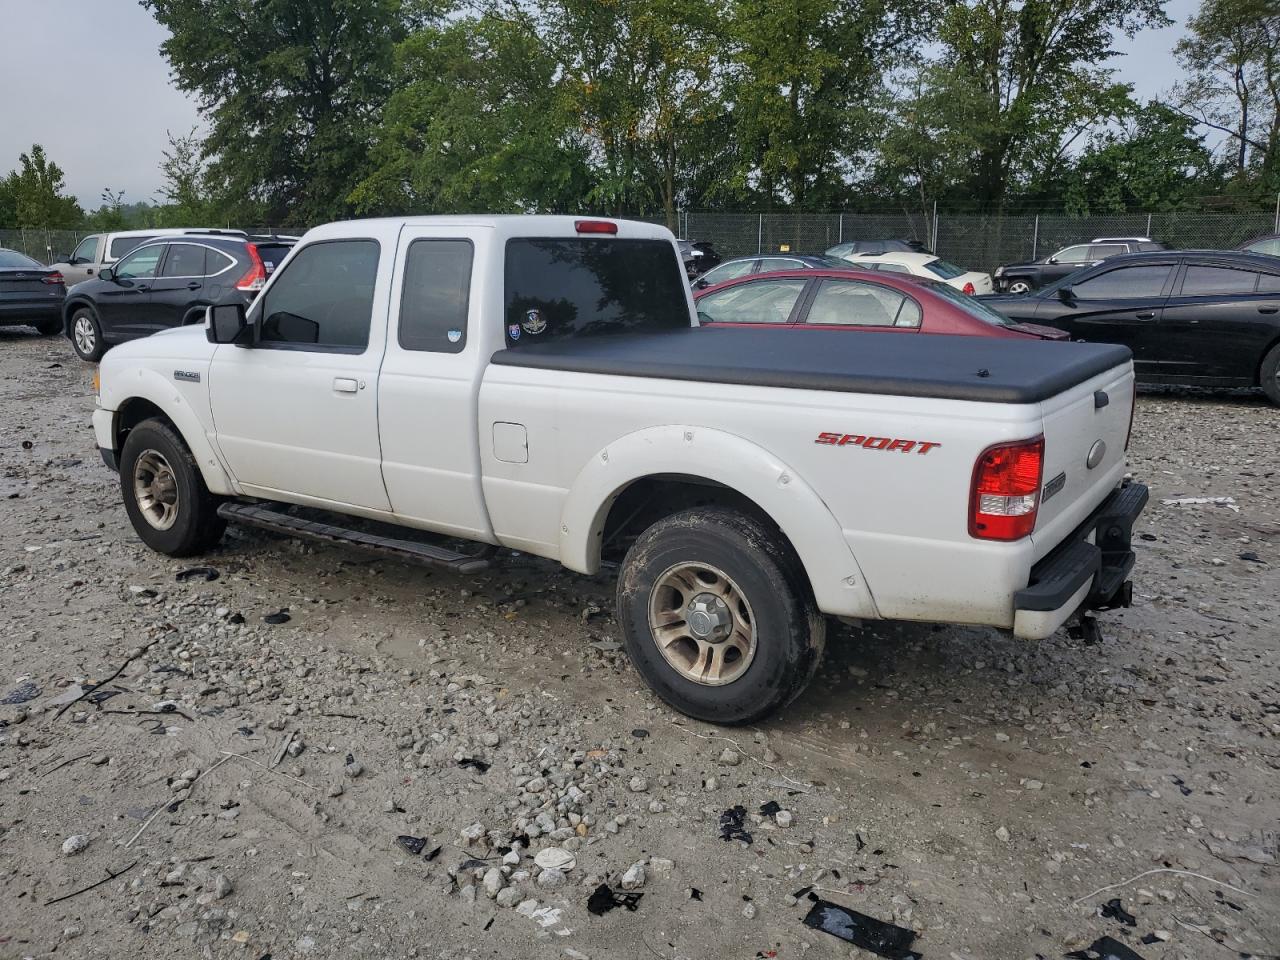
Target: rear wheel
(1019, 286)
(171, 509)
(86, 335)
(718, 616)
(1269, 375)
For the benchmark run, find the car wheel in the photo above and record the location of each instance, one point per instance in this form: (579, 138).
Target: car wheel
(86, 335)
(1269, 375)
(47, 328)
(171, 509)
(718, 617)
(1019, 286)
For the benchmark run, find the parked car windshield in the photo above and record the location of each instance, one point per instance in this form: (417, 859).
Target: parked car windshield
(12, 258)
(575, 287)
(944, 269)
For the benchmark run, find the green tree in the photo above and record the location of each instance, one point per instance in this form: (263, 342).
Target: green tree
(1155, 162)
(111, 215)
(1015, 86)
(292, 89)
(36, 191)
(1232, 62)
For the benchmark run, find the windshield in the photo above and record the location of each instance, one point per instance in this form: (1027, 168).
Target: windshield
(970, 305)
(574, 287)
(14, 259)
(944, 269)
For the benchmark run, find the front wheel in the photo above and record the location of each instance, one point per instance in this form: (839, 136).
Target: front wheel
(1269, 375)
(168, 504)
(1019, 286)
(718, 617)
(86, 335)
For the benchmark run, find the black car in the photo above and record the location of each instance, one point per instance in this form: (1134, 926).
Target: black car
(1034, 274)
(167, 282)
(768, 263)
(1207, 318)
(698, 256)
(871, 247)
(30, 292)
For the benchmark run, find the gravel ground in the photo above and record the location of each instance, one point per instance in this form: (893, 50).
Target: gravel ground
(971, 787)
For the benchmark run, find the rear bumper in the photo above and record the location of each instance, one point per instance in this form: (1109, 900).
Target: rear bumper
(1089, 570)
(15, 311)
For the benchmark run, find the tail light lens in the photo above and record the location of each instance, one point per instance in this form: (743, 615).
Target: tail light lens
(256, 276)
(968, 288)
(1006, 490)
(53, 278)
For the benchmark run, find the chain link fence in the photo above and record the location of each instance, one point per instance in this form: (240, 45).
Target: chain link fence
(974, 242)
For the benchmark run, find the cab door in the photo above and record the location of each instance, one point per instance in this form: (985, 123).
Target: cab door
(296, 412)
(123, 302)
(430, 379)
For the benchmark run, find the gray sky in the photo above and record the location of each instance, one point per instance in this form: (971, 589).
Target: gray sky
(97, 92)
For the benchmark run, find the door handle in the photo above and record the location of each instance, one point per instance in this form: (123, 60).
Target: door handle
(90, 271)
(345, 385)
(1146, 315)
(193, 285)
(1268, 309)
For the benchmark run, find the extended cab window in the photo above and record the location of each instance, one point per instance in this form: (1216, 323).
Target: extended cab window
(433, 303)
(324, 298)
(141, 264)
(574, 287)
(122, 245)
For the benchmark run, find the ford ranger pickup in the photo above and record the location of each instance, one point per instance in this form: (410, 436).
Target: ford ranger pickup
(437, 388)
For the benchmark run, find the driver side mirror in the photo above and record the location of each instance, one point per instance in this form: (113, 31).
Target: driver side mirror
(700, 284)
(1066, 295)
(106, 273)
(225, 323)
(1053, 260)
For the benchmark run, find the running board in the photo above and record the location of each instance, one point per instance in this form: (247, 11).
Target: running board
(414, 551)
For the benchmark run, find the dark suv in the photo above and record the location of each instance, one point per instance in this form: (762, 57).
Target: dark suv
(1034, 274)
(165, 283)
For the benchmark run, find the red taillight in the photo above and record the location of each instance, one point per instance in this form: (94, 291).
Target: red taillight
(1006, 490)
(1133, 408)
(595, 226)
(256, 277)
(54, 277)
(968, 288)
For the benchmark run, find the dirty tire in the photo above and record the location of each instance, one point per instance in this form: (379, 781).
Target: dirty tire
(47, 328)
(790, 633)
(1269, 375)
(86, 335)
(197, 526)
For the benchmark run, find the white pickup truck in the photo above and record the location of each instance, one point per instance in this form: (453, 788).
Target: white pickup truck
(540, 384)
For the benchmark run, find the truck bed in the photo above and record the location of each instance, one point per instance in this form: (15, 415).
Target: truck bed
(993, 370)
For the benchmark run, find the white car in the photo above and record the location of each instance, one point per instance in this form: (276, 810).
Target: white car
(100, 250)
(541, 384)
(924, 265)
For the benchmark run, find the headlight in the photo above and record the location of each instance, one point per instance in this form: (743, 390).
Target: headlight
(999, 271)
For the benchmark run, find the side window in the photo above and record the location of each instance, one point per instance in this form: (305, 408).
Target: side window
(1268, 283)
(895, 268)
(779, 263)
(433, 302)
(1125, 283)
(1072, 255)
(215, 262)
(1100, 251)
(324, 298)
(87, 252)
(871, 246)
(728, 271)
(184, 260)
(1208, 281)
(849, 303)
(122, 245)
(761, 301)
(1270, 246)
(141, 264)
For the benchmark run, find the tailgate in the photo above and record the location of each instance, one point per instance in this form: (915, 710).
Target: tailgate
(1085, 429)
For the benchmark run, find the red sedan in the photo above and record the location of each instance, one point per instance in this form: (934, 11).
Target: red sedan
(857, 300)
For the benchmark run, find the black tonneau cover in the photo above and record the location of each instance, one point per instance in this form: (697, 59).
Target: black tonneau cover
(989, 369)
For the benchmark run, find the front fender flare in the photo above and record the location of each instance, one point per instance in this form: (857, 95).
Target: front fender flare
(735, 463)
(146, 384)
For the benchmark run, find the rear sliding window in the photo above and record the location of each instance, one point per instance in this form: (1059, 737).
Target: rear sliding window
(576, 287)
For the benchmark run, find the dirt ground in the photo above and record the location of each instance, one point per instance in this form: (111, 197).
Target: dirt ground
(971, 787)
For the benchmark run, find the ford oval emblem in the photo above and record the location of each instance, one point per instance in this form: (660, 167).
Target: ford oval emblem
(1096, 453)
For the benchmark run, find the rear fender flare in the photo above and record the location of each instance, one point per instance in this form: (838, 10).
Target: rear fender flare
(732, 462)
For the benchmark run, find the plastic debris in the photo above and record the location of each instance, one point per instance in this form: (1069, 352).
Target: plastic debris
(1228, 502)
(882, 939)
(207, 574)
(21, 694)
(1105, 948)
(555, 858)
(432, 854)
(1114, 910)
(279, 617)
(413, 844)
(471, 763)
(732, 823)
(603, 899)
(639, 733)
(769, 808)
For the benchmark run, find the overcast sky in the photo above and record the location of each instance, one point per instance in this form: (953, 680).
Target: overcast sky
(85, 78)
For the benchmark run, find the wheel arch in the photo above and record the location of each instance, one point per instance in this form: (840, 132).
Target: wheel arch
(660, 470)
(1273, 344)
(70, 306)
